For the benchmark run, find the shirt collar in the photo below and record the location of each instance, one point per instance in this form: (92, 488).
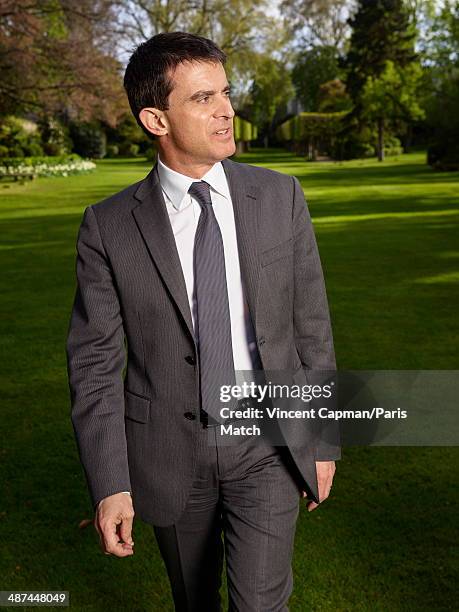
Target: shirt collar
(176, 185)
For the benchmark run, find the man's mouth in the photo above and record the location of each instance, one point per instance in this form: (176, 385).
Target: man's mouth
(223, 132)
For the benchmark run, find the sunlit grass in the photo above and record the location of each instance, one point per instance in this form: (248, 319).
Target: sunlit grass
(389, 244)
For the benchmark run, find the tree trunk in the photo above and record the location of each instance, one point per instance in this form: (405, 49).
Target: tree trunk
(239, 147)
(266, 141)
(380, 140)
(408, 138)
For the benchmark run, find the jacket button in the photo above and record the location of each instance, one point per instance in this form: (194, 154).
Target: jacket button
(190, 359)
(190, 416)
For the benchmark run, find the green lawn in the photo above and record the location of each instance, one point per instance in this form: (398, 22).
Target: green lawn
(387, 538)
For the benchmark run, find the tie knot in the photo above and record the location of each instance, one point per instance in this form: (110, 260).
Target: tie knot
(200, 190)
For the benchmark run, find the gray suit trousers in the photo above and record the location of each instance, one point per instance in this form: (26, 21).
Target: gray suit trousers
(243, 505)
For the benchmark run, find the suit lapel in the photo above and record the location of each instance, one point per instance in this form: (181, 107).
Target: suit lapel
(246, 204)
(154, 225)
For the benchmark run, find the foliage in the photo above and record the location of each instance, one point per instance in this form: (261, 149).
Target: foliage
(131, 150)
(151, 154)
(55, 57)
(54, 136)
(394, 94)
(243, 29)
(381, 31)
(438, 32)
(19, 137)
(357, 141)
(333, 97)
(112, 150)
(307, 133)
(127, 133)
(244, 131)
(442, 98)
(320, 22)
(272, 89)
(32, 167)
(391, 96)
(313, 68)
(443, 153)
(89, 139)
(310, 124)
(392, 146)
(381, 73)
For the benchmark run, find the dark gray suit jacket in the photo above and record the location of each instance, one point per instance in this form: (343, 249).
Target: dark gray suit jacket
(139, 433)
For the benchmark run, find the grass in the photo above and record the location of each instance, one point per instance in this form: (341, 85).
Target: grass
(387, 537)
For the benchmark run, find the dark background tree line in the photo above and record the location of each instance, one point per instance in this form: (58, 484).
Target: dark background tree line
(392, 65)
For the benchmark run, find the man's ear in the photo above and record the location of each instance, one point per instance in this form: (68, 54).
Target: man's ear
(154, 121)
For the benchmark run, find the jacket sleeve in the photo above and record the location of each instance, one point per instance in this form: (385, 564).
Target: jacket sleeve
(95, 359)
(312, 326)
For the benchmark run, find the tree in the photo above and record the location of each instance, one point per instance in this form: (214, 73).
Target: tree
(383, 34)
(391, 96)
(438, 31)
(56, 58)
(441, 56)
(333, 97)
(313, 68)
(319, 23)
(272, 89)
(241, 28)
(382, 30)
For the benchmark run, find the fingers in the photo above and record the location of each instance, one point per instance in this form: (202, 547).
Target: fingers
(125, 530)
(325, 473)
(113, 523)
(110, 540)
(324, 490)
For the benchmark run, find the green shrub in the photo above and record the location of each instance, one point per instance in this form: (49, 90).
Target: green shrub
(357, 145)
(54, 136)
(112, 150)
(20, 137)
(151, 154)
(133, 150)
(35, 149)
(392, 146)
(129, 149)
(126, 133)
(444, 155)
(89, 140)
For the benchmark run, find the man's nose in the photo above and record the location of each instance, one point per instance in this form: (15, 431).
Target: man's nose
(225, 108)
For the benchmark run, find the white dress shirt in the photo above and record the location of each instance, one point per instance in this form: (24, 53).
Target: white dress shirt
(184, 211)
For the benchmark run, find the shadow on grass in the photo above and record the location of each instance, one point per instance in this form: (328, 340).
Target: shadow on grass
(384, 542)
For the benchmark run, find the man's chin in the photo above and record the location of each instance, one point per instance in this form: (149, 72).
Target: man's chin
(227, 151)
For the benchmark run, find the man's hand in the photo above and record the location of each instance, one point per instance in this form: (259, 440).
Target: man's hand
(325, 472)
(113, 523)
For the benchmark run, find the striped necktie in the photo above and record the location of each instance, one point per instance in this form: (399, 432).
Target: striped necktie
(212, 308)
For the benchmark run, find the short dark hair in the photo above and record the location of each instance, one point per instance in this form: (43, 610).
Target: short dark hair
(147, 79)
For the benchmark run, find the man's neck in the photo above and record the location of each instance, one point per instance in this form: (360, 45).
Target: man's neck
(192, 169)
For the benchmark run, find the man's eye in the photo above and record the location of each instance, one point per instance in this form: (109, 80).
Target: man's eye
(204, 99)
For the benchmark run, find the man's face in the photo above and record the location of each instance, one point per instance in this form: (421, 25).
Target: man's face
(199, 107)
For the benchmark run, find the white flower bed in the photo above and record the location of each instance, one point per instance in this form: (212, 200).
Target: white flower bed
(32, 170)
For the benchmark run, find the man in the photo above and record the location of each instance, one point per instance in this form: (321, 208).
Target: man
(204, 266)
